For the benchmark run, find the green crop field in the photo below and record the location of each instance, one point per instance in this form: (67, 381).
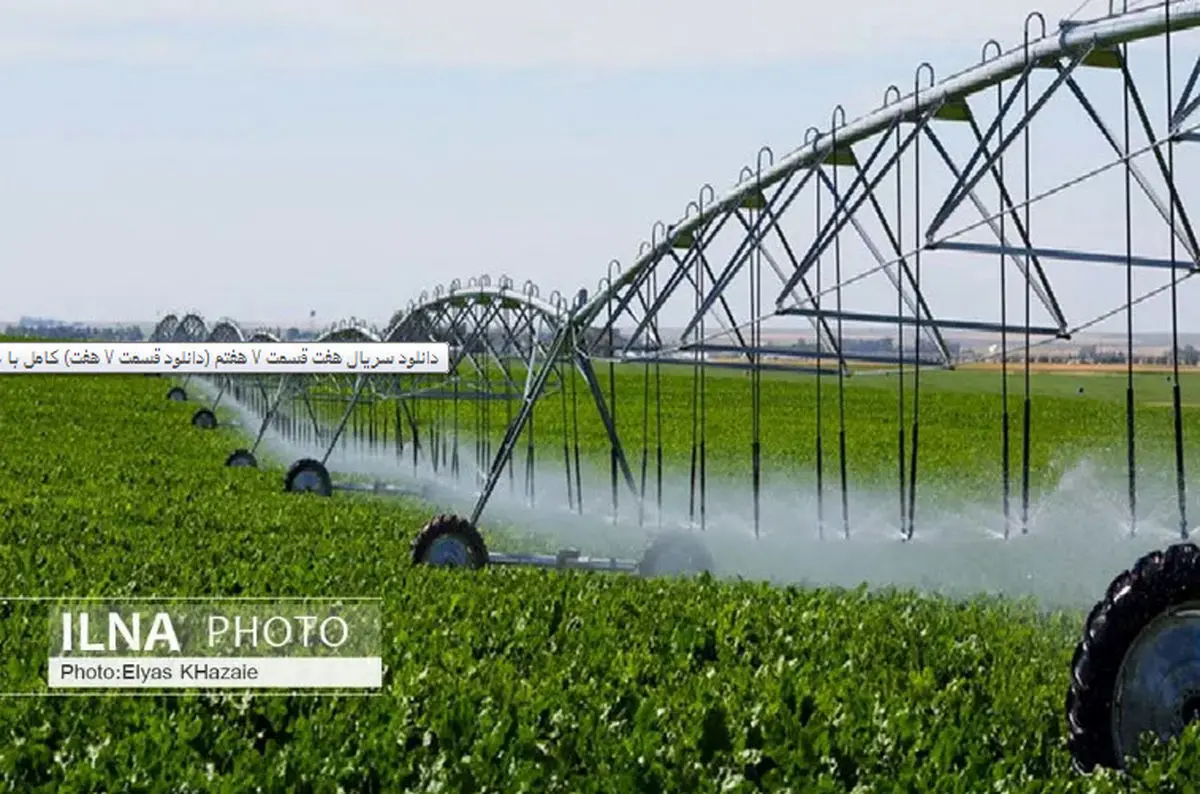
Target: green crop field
(538, 681)
(960, 442)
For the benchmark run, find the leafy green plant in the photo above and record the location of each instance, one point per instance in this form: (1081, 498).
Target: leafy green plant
(500, 680)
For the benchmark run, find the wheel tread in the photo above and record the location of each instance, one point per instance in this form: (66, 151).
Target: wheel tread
(1136, 596)
(309, 464)
(444, 524)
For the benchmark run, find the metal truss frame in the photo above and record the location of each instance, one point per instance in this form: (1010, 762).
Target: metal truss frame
(776, 244)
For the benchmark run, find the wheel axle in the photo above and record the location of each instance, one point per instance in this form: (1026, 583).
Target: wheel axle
(672, 554)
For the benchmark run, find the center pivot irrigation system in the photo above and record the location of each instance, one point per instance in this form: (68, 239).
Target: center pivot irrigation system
(508, 346)
(1037, 194)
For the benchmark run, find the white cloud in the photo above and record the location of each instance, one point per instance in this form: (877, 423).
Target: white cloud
(513, 34)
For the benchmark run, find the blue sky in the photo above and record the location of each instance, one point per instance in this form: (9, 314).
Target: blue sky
(258, 159)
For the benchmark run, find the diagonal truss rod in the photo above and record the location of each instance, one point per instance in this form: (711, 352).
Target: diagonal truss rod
(683, 271)
(1040, 287)
(514, 333)
(489, 348)
(842, 214)
(1187, 104)
(970, 178)
(732, 328)
(1132, 26)
(1183, 229)
(565, 341)
(766, 222)
(917, 305)
(952, 198)
(534, 384)
(739, 253)
(673, 281)
(820, 324)
(947, 241)
(1164, 169)
(480, 326)
(635, 291)
(702, 236)
(526, 319)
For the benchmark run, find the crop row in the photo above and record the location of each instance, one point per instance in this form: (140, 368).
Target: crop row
(500, 680)
(1072, 418)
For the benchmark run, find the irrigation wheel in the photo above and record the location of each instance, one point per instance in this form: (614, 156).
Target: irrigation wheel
(204, 419)
(1137, 668)
(242, 458)
(176, 394)
(450, 541)
(674, 554)
(308, 476)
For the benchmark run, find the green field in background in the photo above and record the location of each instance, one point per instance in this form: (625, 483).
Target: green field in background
(1074, 416)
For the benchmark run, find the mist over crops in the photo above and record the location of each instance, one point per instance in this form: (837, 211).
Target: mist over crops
(1078, 536)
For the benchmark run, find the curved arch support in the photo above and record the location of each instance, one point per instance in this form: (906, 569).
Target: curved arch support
(190, 329)
(165, 330)
(226, 331)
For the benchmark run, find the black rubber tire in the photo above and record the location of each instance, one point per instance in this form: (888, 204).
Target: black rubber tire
(1156, 582)
(177, 394)
(242, 458)
(454, 527)
(676, 554)
(204, 419)
(324, 485)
